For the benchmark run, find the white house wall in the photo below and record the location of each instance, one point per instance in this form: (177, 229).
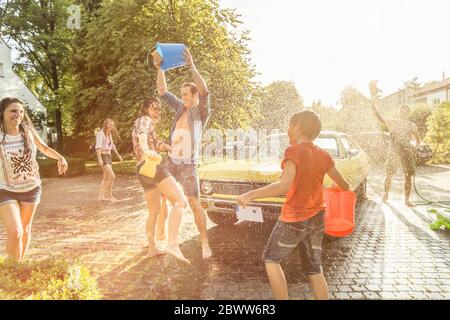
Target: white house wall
(5, 56)
(12, 86)
(432, 97)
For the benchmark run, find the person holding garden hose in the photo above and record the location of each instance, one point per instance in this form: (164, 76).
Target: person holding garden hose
(400, 149)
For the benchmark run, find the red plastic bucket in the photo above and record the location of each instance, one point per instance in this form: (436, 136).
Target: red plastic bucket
(340, 212)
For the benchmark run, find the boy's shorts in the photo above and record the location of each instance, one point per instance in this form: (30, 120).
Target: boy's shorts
(30, 197)
(306, 236)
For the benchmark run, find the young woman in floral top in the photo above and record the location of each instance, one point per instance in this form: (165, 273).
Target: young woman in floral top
(147, 145)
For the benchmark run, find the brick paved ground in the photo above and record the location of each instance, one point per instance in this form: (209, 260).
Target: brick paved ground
(392, 253)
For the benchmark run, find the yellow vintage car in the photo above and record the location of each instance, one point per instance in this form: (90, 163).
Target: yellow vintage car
(222, 181)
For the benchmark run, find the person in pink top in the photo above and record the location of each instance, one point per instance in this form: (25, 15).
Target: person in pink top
(104, 144)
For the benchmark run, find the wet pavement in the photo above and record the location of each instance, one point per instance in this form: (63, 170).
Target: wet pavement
(392, 254)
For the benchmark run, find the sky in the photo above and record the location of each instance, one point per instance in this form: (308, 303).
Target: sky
(325, 45)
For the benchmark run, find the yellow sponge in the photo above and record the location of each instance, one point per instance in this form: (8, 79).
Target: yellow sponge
(149, 167)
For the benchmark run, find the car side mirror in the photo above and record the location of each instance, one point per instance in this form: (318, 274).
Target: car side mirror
(353, 153)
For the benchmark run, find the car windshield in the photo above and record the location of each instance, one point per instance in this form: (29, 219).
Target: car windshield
(281, 142)
(329, 144)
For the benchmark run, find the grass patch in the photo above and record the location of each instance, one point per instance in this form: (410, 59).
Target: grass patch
(48, 167)
(46, 280)
(127, 167)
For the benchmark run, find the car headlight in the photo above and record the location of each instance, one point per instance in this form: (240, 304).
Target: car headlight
(207, 187)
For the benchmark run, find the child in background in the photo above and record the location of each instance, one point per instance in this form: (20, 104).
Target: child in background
(302, 216)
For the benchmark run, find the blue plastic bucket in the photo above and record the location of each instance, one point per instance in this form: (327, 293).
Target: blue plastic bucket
(171, 54)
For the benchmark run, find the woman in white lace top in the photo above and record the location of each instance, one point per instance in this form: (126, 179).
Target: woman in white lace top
(20, 184)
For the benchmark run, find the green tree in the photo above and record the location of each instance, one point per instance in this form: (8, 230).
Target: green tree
(278, 102)
(352, 97)
(419, 115)
(438, 135)
(38, 31)
(410, 87)
(327, 115)
(355, 114)
(114, 76)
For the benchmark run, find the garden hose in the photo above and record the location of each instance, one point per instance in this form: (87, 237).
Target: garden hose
(442, 203)
(439, 203)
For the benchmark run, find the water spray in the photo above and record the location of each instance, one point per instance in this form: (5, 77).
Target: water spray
(443, 204)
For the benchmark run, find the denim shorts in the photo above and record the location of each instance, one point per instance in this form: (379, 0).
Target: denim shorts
(106, 158)
(150, 184)
(186, 175)
(305, 236)
(31, 197)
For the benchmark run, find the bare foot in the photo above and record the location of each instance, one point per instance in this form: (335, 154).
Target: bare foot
(176, 252)
(112, 199)
(102, 199)
(409, 203)
(152, 252)
(206, 251)
(385, 198)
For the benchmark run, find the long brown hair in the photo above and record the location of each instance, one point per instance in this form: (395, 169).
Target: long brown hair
(114, 129)
(25, 127)
(147, 104)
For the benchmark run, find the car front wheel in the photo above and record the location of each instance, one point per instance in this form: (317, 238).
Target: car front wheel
(222, 219)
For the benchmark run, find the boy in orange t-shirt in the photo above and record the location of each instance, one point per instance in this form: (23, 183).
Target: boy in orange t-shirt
(302, 217)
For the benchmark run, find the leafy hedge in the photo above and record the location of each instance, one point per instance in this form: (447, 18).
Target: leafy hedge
(438, 135)
(127, 167)
(48, 167)
(46, 280)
